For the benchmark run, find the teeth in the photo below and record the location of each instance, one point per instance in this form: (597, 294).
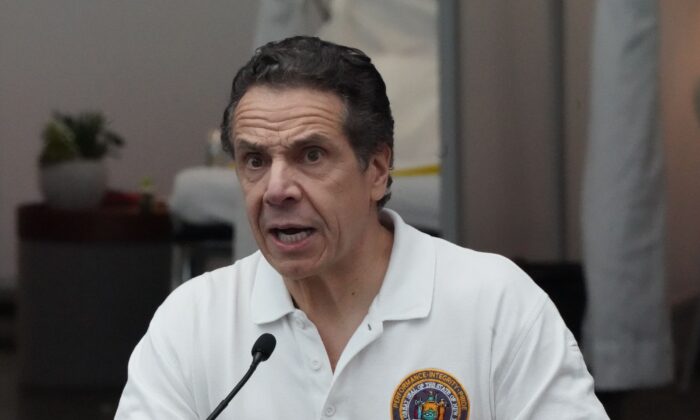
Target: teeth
(289, 238)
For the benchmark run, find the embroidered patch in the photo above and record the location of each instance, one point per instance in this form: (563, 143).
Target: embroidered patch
(430, 394)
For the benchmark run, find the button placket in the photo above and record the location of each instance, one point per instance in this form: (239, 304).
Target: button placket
(312, 352)
(366, 333)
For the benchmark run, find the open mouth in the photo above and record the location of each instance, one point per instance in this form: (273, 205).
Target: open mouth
(292, 235)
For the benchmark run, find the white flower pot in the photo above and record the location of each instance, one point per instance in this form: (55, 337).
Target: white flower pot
(74, 185)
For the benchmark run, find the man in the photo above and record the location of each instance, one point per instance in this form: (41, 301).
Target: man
(373, 319)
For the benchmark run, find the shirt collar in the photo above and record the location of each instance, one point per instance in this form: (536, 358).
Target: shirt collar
(406, 292)
(270, 299)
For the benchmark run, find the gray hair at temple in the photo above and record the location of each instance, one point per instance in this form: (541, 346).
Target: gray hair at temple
(308, 62)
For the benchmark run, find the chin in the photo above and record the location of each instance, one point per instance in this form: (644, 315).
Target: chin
(293, 270)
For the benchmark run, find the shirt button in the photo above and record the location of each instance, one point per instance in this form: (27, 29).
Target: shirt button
(329, 411)
(315, 364)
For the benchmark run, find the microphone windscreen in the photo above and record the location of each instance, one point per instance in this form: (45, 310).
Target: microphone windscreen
(265, 345)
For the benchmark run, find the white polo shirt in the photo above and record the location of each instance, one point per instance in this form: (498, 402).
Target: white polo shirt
(452, 334)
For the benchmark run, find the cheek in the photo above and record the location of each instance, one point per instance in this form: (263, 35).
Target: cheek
(251, 207)
(252, 197)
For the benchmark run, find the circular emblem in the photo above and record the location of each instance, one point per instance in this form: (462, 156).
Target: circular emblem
(430, 394)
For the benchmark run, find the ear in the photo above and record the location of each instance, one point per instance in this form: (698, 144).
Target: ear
(378, 171)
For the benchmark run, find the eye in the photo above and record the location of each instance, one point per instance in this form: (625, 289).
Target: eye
(253, 161)
(313, 154)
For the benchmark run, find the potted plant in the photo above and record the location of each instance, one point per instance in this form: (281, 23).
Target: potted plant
(72, 171)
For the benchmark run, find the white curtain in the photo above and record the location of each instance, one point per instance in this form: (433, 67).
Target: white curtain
(627, 338)
(401, 38)
(278, 19)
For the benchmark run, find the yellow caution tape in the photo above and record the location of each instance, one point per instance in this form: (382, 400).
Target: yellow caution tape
(417, 171)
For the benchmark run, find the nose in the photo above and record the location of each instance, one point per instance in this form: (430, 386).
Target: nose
(282, 188)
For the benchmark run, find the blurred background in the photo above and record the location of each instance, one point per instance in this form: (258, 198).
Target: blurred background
(564, 135)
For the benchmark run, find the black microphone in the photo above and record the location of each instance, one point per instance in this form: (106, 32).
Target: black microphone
(262, 349)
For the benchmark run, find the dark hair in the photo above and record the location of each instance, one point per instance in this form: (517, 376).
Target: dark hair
(309, 62)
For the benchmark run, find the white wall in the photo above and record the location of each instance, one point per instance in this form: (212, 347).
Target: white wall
(159, 69)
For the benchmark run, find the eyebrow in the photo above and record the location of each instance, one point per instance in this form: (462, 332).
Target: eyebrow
(247, 145)
(310, 140)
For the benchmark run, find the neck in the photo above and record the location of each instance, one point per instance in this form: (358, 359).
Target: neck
(337, 302)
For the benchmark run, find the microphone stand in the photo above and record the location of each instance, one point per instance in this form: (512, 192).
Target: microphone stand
(257, 358)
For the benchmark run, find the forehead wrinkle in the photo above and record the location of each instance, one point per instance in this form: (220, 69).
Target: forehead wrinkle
(310, 125)
(279, 106)
(276, 119)
(265, 115)
(298, 124)
(295, 136)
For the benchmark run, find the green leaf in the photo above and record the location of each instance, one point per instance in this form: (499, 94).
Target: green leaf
(84, 135)
(59, 144)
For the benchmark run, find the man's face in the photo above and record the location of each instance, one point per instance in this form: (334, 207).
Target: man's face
(310, 204)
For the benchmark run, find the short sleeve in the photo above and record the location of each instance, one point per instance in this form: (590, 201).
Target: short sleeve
(157, 387)
(543, 375)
